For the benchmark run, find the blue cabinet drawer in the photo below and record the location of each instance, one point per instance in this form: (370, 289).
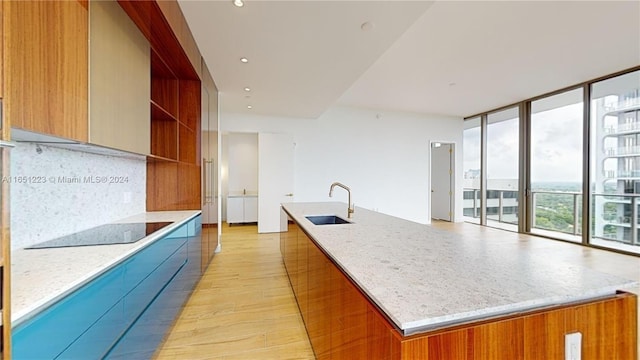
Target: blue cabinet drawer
(63, 323)
(96, 342)
(146, 261)
(137, 300)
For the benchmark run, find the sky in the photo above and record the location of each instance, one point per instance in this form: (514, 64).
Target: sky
(556, 146)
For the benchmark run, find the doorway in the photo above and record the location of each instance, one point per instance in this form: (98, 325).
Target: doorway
(442, 180)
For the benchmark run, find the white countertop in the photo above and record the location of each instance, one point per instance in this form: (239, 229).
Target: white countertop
(39, 277)
(425, 278)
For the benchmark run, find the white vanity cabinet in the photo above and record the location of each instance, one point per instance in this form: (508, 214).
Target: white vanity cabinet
(242, 209)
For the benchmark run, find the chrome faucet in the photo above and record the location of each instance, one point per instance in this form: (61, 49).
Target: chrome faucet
(350, 208)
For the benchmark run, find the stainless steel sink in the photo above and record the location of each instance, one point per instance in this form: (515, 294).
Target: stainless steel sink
(327, 220)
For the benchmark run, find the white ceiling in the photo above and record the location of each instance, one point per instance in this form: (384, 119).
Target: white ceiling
(449, 57)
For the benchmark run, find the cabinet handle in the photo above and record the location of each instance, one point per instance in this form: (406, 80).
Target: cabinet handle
(289, 194)
(210, 184)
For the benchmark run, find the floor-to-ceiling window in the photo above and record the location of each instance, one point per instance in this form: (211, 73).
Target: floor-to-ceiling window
(471, 144)
(533, 158)
(615, 162)
(503, 168)
(555, 153)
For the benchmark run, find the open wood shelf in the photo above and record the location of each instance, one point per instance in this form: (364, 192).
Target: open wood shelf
(187, 144)
(158, 113)
(164, 138)
(189, 94)
(173, 167)
(164, 86)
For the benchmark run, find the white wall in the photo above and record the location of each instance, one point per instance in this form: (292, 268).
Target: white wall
(383, 156)
(58, 197)
(242, 163)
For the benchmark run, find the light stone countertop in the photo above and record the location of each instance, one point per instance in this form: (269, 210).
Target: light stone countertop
(40, 277)
(425, 278)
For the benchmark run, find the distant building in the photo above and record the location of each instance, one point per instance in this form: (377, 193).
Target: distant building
(617, 159)
(472, 174)
(502, 199)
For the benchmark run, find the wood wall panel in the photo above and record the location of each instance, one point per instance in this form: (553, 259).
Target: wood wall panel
(190, 93)
(164, 138)
(162, 185)
(46, 67)
(187, 141)
(164, 92)
(189, 187)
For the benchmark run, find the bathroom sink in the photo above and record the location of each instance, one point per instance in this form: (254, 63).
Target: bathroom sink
(327, 220)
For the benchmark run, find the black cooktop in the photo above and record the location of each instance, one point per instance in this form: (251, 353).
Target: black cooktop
(108, 234)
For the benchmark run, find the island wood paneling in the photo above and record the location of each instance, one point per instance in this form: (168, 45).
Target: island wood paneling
(379, 336)
(303, 276)
(359, 331)
(607, 326)
(545, 338)
(46, 67)
(318, 320)
(348, 319)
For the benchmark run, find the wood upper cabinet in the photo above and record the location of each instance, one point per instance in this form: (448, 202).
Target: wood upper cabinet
(78, 71)
(46, 67)
(120, 80)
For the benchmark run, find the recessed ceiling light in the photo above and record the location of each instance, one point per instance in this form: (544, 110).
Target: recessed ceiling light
(244, 60)
(247, 89)
(249, 107)
(238, 3)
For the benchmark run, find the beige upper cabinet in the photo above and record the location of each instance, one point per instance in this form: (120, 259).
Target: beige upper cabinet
(120, 80)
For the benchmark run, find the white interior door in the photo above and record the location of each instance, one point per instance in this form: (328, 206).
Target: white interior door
(275, 179)
(441, 181)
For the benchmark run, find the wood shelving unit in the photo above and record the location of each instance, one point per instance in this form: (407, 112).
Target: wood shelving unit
(173, 166)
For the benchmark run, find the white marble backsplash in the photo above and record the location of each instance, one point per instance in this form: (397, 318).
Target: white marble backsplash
(56, 192)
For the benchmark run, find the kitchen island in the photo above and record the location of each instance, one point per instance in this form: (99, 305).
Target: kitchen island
(383, 287)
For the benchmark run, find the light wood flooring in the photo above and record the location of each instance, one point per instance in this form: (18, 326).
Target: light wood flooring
(244, 308)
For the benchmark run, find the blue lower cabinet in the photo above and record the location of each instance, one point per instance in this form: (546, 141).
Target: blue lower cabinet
(96, 342)
(109, 317)
(49, 333)
(137, 300)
